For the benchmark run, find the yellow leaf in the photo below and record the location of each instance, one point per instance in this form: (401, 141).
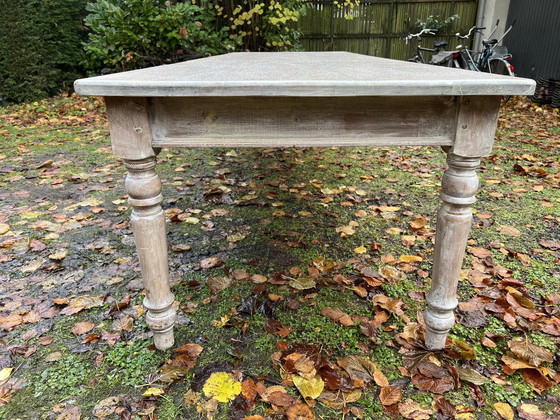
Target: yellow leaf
(222, 387)
(360, 250)
(5, 373)
(309, 388)
(504, 410)
(4, 227)
(393, 231)
(153, 392)
(410, 258)
(192, 220)
(60, 255)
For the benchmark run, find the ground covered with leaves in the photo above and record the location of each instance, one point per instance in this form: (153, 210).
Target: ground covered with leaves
(299, 277)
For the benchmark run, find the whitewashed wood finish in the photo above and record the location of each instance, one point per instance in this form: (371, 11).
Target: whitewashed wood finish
(302, 99)
(129, 127)
(286, 122)
(459, 184)
(301, 74)
(476, 125)
(148, 224)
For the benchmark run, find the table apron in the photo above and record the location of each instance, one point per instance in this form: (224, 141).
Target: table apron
(294, 121)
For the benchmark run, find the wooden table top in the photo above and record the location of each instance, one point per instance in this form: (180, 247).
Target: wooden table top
(314, 74)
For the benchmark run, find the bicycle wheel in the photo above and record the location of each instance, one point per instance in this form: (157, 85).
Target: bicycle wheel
(500, 66)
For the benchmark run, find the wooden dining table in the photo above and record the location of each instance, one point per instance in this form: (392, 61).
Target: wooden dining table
(302, 99)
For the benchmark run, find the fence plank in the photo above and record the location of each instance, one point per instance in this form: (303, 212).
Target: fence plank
(378, 27)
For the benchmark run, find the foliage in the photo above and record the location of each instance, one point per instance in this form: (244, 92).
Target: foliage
(267, 25)
(131, 362)
(129, 34)
(66, 376)
(435, 22)
(40, 50)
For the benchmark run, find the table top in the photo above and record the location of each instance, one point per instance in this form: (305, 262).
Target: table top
(316, 74)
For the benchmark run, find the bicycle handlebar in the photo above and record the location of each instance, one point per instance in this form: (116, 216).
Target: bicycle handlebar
(473, 29)
(417, 36)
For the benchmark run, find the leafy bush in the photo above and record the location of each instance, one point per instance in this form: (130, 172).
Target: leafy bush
(40, 47)
(435, 22)
(262, 25)
(130, 34)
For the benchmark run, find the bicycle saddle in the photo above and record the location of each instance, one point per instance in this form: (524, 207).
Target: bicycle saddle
(440, 44)
(489, 41)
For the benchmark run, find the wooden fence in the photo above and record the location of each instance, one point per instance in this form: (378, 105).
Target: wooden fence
(378, 27)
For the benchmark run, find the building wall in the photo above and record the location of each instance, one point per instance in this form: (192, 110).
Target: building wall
(534, 41)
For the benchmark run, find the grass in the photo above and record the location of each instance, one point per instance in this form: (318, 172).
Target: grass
(317, 190)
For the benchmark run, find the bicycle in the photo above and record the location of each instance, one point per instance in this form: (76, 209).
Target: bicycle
(493, 58)
(439, 55)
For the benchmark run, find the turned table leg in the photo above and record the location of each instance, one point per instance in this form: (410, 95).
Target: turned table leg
(148, 224)
(454, 219)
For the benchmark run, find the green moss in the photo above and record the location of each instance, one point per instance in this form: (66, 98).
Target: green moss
(129, 363)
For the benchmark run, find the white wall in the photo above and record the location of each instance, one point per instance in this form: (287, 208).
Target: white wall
(493, 10)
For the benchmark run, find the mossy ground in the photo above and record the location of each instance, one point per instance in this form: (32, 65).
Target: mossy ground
(285, 216)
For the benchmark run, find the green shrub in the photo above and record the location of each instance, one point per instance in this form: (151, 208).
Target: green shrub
(40, 47)
(129, 34)
(262, 25)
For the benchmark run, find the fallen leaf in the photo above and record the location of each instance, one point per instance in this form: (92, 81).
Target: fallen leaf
(390, 395)
(258, 278)
(221, 386)
(337, 315)
(531, 412)
(9, 321)
(5, 373)
(51, 357)
(153, 392)
(298, 412)
(4, 227)
(302, 283)
(309, 388)
(532, 354)
(360, 250)
(471, 375)
(509, 231)
(70, 412)
(504, 410)
(410, 409)
(82, 327)
(218, 283)
(106, 407)
(210, 262)
(187, 355)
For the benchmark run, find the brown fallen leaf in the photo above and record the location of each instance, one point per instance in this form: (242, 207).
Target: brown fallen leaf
(187, 355)
(410, 409)
(550, 244)
(70, 412)
(210, 262)
(527, 351)
(337, 315)
(537, 380)
(509, 231)
(218, 283)
(299, 412)
(9, 321)
(82, 327)
(390, 395)
(531, 412)
(106, 407)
